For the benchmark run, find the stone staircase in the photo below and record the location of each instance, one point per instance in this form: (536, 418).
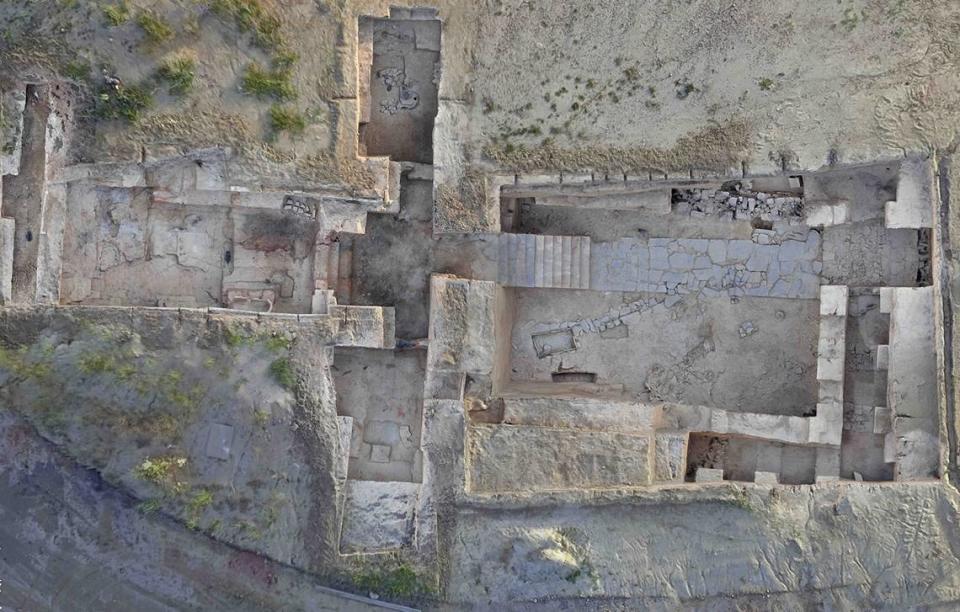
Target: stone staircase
(333, 267)
(554, 262)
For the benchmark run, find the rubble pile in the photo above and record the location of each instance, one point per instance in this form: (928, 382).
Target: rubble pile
(737, 204)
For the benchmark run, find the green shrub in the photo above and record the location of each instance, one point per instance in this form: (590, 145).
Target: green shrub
(264, 83)
(116, 14)
(154, 27)
(283, 372)
(124, 103)
(178, 73)
(286, 120)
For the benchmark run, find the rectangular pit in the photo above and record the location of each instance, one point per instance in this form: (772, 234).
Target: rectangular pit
(399, 65)
(383, 391)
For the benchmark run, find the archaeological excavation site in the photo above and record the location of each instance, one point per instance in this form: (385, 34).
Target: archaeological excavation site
(506, 305)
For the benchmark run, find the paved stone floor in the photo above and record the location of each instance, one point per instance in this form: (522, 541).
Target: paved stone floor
(734, 267)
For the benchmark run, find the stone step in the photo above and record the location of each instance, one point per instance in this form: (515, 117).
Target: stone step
(528, 260)
(333, 266)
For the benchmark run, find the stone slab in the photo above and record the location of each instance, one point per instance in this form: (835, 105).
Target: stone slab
(462, 315)
(886, 299)
(882, 420)
(219, 441)
(826, 428)
(833, 300)
(670, 456)
(913, 207)
(708, 475)
(379, 453)
(827, 464)
(345, 429)
(766, 478)
(831, 349)
(883, 357)
(7, 237)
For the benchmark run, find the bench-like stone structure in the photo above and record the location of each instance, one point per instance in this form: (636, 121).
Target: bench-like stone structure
(582, 413)
(913, 207)
(912, 383)
(501, 460)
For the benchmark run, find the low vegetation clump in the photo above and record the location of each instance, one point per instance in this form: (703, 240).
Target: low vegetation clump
(97, 363)
(178, 72)
(261, 417)
(124, 102)
(277, 342)
(284, 119)
(150, 506)
(154, 27)
(283, 372)
(116, 14)
(162, 472)
(684, 88)
(250, 16)
(234, 336)
(196, 505)
(268, 83)
(401, 581)
(284, 60)
(18, 362)
(77, 70)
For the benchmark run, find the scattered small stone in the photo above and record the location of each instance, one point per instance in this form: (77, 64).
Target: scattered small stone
(747, 328)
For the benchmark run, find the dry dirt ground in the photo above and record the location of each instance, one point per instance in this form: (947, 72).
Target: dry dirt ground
(645, 87)
(605, 86)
